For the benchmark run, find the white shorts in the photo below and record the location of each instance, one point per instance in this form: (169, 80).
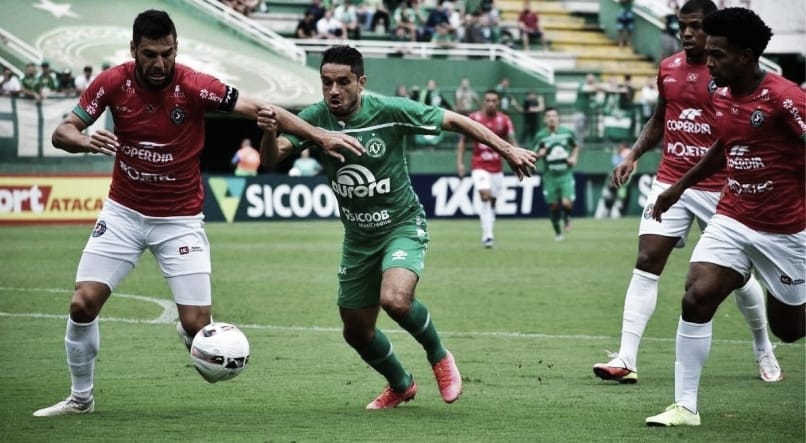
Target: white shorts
(779, 259)
(677, 221)
(485, 180)
(121, 235)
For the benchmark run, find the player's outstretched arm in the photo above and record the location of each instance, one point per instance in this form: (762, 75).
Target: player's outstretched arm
(521, 161)
(650, 135)
(272, 148)
(68, 136)
(713, 161)
(330, 141)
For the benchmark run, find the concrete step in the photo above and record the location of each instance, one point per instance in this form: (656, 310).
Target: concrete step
(596, 38)
(602, 52)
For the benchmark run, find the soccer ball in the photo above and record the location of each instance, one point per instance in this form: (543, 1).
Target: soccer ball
(220, 351)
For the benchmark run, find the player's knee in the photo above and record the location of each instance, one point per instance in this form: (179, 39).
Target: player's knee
(357, 337)
(788, 331)
(699, 302)
(84, 305)
(397, 305)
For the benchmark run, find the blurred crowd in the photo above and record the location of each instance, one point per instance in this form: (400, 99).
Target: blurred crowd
(43, 81)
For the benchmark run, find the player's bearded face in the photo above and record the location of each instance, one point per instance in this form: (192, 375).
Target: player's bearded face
(341, 89)
(154, 61)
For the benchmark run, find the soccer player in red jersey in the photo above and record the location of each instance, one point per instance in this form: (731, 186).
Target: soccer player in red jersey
(760, 221)
(155, 200)
(685, 119)
(485, 163)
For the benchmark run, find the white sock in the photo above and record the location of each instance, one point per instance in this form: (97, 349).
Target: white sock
(486, 221)
(81, 341)
(750, 300)
(693, 345)
(639, 305)
(492, 220)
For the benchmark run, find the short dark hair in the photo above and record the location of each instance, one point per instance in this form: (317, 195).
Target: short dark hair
(704, 6)
(344, 55)
(492, 91)
(153, 25)
(742, 27)
(551, 108)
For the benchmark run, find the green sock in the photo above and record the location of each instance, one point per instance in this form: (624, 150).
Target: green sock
(378, 354)
(555, 220)
(418, 323)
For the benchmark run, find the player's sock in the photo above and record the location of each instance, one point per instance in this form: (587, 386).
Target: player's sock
(750, 300)
(566, 216)
(380, 355)
(693, 344)
(491, 212)
(486, 215)
(81, 341)
(639, 305)
(555, 220)
(418, 323)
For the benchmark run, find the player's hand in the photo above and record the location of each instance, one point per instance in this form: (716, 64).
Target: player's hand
(622, 172)
(460, 170)
(521, 161)
(332, 142)
(665, 201)
(104, 142)
(267, 119)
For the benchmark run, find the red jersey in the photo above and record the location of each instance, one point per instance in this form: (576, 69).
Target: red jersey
(762, 135)
(688, 127)
(484, 157)
(161, 136)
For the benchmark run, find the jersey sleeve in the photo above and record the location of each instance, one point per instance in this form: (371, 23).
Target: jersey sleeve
(96, 97)
(214, 94)
(793, 103)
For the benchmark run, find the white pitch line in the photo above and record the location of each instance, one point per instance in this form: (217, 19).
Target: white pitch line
(170, 316)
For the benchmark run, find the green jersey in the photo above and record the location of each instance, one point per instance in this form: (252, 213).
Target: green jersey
(559, 145)
(374, 190)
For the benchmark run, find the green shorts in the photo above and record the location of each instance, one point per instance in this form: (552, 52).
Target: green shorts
(559, 188)
(363, 262)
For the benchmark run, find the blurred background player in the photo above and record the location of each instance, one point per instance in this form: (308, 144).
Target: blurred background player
(156, 196)
(385, 231)
(685, 118)
(305, 165)
(246, 159)
(485, 163)
(760, 221)
(559, 150)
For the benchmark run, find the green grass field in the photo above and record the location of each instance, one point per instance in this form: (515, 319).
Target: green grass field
(526, 321)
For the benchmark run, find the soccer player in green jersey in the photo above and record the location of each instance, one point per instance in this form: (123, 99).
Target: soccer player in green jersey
(557, 147)
(385, 233)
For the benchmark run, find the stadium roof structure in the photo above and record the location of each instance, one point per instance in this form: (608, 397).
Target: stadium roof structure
(91, 32)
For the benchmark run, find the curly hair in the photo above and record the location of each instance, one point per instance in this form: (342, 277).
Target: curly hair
(742, 28)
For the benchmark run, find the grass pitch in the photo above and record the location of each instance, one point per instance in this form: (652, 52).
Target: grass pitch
(526, 321)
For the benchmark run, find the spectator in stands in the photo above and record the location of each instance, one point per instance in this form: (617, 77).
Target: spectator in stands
(47, 80)
(455, 20)
(84, 80)
(306, 27)
(649, 99)
(347, 14)
(669, 43)
(625, 23)
(472, 30)
(402, 91)
(328, 27)
(436, 17)
(10, 85)
(509, 103)
(246, 159)
(379, 18)
(583, 105)
(316, 9)
(466, 98)
(408, 19)
(30, 83)
(67, 83)
(414, 93)
(245, 7)
(433, 96)
(305, 165)
(533, 105)
(529, 25)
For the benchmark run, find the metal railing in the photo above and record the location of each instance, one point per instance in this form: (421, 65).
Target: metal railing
(386, 48)
(257, 32)
(19, 48)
